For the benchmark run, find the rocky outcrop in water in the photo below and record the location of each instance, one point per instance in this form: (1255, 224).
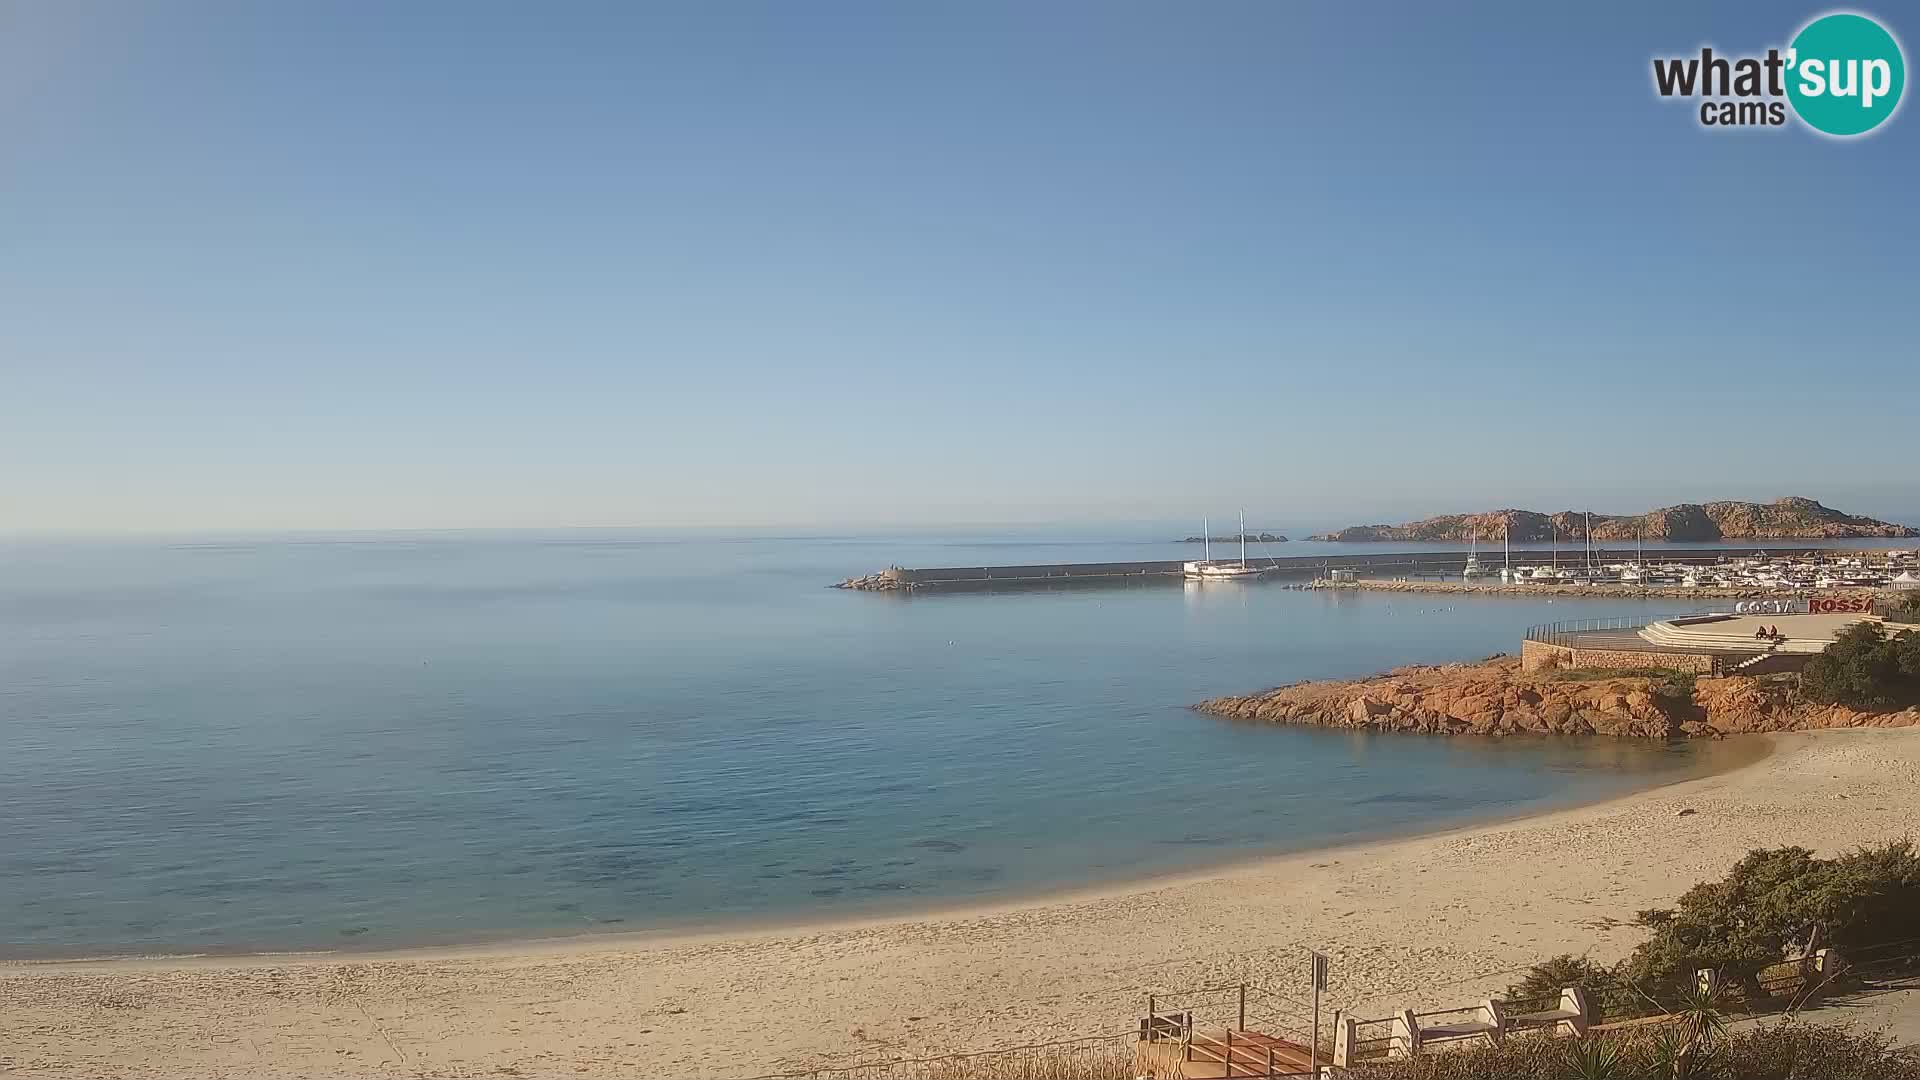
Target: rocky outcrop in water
(1494, 697)
(892, 579)
(1791, 518)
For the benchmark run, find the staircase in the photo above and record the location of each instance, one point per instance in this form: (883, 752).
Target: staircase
(1769, 663)
(1699, 634)
(1241, 1054)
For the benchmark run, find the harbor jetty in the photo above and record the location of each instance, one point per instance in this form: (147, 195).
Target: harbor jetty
(1361, 569)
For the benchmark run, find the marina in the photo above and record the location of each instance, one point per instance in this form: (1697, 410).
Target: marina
(1714, 570)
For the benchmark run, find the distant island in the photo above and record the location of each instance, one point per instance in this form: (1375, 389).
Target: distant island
(1791, 518)
(1251, 538)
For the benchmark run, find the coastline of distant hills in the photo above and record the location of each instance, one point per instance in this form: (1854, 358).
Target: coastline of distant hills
(1791, 518)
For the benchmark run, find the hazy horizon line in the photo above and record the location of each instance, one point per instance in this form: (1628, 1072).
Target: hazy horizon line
(798, 530)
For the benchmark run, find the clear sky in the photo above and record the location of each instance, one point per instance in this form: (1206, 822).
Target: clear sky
(344, 265)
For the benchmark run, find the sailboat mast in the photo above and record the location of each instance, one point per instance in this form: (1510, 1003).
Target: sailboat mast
(1506, 546)
(1243, 538)
(1206, 541)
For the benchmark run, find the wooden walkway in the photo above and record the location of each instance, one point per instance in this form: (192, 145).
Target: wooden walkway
(1218, 1055)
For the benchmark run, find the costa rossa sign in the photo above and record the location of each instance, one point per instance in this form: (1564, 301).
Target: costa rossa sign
(1840, 605)
(1815, 605)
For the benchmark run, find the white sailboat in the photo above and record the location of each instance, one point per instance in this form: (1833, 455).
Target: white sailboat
(1637, 573)
(1589, 572)
(1473, 568)
(1208, 570)
(1547, 575)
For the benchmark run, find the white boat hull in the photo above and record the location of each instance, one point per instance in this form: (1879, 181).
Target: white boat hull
(1207, 572)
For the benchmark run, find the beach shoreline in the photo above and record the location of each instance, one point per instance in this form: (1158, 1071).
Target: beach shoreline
(1415, 922)
(1758, 746)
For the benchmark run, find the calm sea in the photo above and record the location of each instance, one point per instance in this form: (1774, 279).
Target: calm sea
(382, 740)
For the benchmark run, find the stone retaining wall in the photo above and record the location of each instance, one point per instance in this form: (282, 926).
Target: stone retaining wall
(1540, 656)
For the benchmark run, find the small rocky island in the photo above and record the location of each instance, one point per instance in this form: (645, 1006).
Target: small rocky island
(1791, 518)
(1495, 697)
(1251, 538)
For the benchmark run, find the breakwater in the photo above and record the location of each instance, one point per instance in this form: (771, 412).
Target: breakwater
(1372, 564)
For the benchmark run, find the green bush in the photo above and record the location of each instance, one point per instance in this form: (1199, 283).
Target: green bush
(1771, 1052)
(1606, 994)
(1813, 1052)
(1769, 907)
(1675, 688)
(1865, 669)
(1766, 909)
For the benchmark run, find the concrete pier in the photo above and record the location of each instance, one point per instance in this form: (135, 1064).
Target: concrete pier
(1371, 564)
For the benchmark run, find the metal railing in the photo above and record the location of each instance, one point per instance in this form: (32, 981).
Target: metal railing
(1564, 631)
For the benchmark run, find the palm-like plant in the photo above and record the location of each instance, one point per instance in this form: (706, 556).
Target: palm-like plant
(1672, 1056)
(1701, 1016)
(1596, 1059)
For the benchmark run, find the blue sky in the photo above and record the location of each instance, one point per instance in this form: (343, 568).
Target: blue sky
(466, 264)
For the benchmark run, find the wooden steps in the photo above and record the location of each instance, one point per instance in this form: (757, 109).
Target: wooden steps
(1221, 1055)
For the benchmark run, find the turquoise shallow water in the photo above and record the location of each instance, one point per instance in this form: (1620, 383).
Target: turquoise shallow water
(369, 741)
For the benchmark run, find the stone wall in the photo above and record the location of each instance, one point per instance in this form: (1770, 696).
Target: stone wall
(1697, 663)
(1540, 656)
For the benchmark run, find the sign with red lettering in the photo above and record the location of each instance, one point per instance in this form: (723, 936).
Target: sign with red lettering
(1840, 605)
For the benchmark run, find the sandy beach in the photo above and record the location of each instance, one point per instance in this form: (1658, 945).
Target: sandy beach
(1431, 920)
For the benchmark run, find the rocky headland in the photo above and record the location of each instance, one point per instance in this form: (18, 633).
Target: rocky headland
(1495, 697)
(1791, 518)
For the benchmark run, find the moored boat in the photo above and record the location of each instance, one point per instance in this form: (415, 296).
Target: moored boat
(1206, 569)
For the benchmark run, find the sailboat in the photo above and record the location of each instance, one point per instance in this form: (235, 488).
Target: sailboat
(1589, 572)
(1473, 569)
(1637, 573)
(1208, 570)
(1547, 575)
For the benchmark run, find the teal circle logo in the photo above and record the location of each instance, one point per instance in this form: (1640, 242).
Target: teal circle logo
(1845, 74)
